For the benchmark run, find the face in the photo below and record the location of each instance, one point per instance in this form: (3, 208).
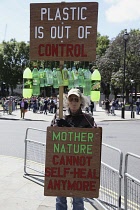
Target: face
(74, 103)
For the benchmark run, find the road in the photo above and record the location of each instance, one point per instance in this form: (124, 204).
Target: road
(12, 135)
(122, 135)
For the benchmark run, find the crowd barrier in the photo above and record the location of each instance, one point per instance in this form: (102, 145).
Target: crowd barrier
(110, 194)
(131, 183)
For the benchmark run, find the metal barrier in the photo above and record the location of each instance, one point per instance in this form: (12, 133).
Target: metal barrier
(111, 178)
(111, 173)
(35, 152)
(131, 183)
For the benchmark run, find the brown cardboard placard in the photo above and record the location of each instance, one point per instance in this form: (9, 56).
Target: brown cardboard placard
(73, 160)
(63, 31)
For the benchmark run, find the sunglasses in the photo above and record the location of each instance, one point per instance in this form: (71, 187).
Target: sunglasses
(74, 99)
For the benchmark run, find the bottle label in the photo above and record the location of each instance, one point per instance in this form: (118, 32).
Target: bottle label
(95, 85)
(28, 83)
(35, 82)
(65, 75)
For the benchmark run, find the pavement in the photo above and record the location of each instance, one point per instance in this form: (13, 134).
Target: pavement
(18, 193)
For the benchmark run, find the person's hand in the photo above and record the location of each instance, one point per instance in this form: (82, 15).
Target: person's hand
(62, 123)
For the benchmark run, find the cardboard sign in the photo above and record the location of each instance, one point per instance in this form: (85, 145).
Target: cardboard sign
(73, 160)
(63, 31)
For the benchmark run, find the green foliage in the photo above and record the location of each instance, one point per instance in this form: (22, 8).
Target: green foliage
(14, 57)
(111, 63)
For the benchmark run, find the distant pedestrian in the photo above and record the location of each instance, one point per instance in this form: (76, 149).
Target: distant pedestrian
(91, 107)
(113, 106)
(45, 106)
(107, 106)
(10, 105)
(23, 107)
(138, 106)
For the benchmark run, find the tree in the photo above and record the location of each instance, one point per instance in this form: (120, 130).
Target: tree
(15, 57)
(111, 64)
(102, 44)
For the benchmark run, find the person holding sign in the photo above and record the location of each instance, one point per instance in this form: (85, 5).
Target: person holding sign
(75, 118)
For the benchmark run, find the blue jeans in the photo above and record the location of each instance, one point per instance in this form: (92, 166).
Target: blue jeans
(61, 203)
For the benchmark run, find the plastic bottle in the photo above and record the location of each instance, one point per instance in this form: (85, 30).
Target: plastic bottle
(45, 77)
(36, 82)
(49, 77)
(55, 79)
(41, 76)
(59, 77)
(27, 83)
(87, 82)
(70, 79)
(95, 86)
(65, 76)
(75, 76)
(80, 77)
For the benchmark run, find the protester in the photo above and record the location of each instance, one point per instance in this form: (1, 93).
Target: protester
(75, 118)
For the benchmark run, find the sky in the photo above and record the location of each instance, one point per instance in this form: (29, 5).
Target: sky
(113, 17)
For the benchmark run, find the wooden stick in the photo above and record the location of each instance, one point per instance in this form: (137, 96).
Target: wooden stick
(61, 91)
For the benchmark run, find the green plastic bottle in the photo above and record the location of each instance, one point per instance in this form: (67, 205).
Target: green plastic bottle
(27, 83)
(65, 76)
(45, 77)
(50, 77)
(70, 79)
(36, 82)
(59, 77)
(80, 77)
(75, 76)
(55, 80)
(87, 82)
(95, 86)
(41, 77)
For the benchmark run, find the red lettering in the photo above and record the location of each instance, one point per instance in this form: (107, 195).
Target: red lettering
(76, 172)
(79, 185)
(57, 184)
(48, 50)
(54, 159)
(66, 171)
(50, 185)
(64, 184)
(82, 161)
(40, 50)
(71, 186)
(55, 50)
(94, 174)
(82, 52)
(92, 186)
(85, 185)
(48, 171)
(89, 159)
(89, 174)
(54, 172)
(62, 48)
(69, 50)
(77, 50)
(62, 160)
(82, 173)
(69, 160)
